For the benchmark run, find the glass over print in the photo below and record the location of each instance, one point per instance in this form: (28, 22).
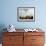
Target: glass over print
(26, 14)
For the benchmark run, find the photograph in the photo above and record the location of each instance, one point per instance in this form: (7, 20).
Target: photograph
(26, 14)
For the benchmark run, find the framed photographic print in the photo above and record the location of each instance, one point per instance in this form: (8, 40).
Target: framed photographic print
(26, 14)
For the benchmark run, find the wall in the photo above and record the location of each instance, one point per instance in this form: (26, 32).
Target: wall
(9, 13)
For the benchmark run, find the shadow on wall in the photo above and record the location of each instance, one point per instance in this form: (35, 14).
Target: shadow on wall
(2, 26)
